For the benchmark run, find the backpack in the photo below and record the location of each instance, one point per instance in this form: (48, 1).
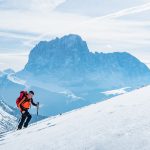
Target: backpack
(20, 98)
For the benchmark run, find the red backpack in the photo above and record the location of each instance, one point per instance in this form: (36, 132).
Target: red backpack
(22, 95)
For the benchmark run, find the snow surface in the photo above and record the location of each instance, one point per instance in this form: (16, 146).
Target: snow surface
(114, 92)
(121, 123)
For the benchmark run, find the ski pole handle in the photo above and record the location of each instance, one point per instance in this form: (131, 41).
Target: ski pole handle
(38, 104)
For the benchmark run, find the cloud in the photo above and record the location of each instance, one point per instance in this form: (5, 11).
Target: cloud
(128, 11)
(32, 5)
(18, 35)
(15, 61)
(31, 27)
(109, 30)
(107, 33)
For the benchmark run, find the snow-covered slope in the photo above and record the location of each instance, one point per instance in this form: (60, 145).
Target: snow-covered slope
(7, 120)
(121, 123)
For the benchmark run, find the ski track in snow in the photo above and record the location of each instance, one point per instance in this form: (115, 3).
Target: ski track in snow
(121, 123)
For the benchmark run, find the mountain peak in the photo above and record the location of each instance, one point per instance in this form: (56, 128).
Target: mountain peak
(67, 51)
(73, 43)
(68, 43)
(72, 37)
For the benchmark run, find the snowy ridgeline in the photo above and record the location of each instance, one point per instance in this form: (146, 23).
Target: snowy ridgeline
(121, 123)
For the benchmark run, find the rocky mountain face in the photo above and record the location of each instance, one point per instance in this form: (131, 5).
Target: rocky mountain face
(69, 61)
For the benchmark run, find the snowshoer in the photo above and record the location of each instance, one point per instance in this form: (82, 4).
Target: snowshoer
(24, 103)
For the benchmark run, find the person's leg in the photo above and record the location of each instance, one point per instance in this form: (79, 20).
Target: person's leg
(23, 118)
(28, 119)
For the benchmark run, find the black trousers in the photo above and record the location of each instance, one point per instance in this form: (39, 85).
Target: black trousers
(25, 119)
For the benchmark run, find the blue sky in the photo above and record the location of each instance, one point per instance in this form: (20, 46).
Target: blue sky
(107, 26)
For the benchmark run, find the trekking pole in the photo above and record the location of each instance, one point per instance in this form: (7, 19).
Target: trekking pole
(37, 108)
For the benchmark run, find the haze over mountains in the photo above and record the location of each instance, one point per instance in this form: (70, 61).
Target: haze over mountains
(66, 75)
(64, 71)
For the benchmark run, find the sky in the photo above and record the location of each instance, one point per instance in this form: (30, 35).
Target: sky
(107, 26)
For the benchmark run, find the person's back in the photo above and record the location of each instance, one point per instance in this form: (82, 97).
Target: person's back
(24, 105)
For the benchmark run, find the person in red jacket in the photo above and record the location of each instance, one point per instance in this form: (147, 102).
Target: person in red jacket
(24, 106)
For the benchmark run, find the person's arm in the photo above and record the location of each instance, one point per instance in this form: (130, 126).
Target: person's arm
(32, 102)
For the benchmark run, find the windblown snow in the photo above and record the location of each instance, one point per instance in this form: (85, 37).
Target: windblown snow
(120, 123)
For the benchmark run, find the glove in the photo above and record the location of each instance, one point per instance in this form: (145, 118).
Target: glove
(23, 112)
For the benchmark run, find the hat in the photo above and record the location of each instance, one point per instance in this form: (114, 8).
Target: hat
(31, 92)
